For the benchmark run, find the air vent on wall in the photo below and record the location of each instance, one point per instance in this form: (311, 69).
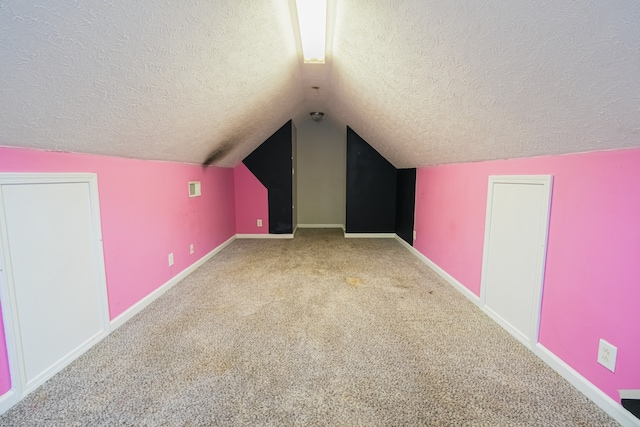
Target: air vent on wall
(194, 189)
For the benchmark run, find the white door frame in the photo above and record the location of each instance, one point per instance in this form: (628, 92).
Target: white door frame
(546, 181)
(7, 291)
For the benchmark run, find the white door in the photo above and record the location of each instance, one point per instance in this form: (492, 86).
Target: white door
(515, 252)
(54, 295)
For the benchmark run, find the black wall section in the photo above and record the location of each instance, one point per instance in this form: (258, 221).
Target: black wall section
(271, 164)
(405, 204)
(632, 405)
(371, 189)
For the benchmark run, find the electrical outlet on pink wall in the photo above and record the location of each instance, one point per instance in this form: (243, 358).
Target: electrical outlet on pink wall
(592, 272)
(139, 228)
(251, 202)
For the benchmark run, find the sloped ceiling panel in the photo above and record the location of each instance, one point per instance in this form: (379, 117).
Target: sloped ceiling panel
(430, 82)
(424, 82)
(147, 79)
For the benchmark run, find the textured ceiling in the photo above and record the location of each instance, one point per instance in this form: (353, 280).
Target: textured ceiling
(146, 79)
(425, 82)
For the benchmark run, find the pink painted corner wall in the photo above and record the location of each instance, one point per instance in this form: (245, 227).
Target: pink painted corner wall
(146, 213)
(252, 202)
(592, 277)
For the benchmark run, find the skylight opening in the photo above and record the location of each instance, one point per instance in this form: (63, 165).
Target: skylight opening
(312, 18)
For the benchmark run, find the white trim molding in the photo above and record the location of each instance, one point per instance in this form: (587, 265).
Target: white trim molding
(264, 236)
(369, 235)
(341, 226)
(630, 394)
(21, 386)
(144, 302)
(7, 400)
(446, 276)
(597, 396)
(11, 397)
(528, 337)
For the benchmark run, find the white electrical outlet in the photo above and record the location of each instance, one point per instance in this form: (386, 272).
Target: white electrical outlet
(170, 259)
(414, 234)
(191, 248)
(607, 355)
(259, 223)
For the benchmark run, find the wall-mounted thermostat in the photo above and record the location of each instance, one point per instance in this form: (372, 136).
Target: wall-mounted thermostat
(194, 189)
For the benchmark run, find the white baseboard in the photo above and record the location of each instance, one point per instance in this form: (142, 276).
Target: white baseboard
(408, 246)
(630, 394)
(596, 395)
(264, 236)
(524, 340)
(65, 361)
(467, 293)
(10, 398)
(321, 226)
(446, 276)
(369, 235)
(7, 400)
(140, 305)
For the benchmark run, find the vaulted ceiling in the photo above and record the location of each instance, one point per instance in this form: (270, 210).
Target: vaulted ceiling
(423, 81)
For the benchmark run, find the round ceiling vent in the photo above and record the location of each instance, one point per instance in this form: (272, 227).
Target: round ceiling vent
(317, 115)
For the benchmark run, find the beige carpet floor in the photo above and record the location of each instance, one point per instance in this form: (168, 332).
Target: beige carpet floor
(318, 330)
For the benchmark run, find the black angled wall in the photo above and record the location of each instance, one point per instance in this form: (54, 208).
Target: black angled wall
(271, 163)
(380, 198)
(371, 189)
(405, 203)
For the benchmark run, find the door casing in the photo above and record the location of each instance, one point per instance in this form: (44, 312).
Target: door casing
(546, 182)
(19, 388)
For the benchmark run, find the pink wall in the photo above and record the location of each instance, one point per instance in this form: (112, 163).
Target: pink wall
(592, 278)
(252, 202)
(146, 213)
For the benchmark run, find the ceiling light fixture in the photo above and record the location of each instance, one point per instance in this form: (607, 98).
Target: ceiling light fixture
(316, 116)
(312, 18)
